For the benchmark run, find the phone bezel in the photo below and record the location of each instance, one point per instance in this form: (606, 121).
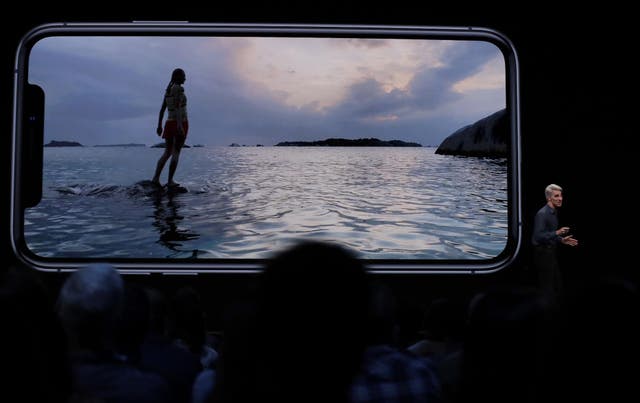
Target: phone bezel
(165, 266)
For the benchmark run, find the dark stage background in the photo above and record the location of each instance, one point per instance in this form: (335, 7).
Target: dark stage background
(577, 93)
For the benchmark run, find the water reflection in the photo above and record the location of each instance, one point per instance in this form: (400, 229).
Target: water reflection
(167, 220)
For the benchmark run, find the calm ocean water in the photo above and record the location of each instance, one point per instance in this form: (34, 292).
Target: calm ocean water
(247, 202)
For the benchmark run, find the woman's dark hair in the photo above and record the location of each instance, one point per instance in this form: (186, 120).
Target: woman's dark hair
(175, 75)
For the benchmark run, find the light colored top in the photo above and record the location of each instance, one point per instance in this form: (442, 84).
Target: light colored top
(176, 99)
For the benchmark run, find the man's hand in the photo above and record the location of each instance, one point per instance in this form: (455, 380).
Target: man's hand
(563, 231)
(569, 240)
(159, 130)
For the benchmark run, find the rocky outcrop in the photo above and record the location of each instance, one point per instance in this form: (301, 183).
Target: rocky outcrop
(487, 137)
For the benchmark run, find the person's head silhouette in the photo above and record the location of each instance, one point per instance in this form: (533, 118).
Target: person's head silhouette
(311, 323)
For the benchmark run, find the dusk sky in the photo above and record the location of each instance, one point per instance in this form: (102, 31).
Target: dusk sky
(108, 90)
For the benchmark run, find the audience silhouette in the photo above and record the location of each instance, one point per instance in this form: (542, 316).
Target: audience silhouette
(90, 305)
(316, 328)
(311, 318)
(507, 346)
(34, 363)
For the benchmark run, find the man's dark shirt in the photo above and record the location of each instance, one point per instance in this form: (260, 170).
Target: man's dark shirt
(103, 378)
(545, 225)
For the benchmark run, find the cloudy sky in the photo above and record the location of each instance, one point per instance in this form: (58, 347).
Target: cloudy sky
(108, 90)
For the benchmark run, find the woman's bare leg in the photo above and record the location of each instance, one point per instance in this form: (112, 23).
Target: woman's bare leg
(175, 158)
(162, 160)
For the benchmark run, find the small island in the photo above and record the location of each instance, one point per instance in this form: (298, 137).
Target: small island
(340, 142)
(121, 145)
(163, 145)
(55, 143)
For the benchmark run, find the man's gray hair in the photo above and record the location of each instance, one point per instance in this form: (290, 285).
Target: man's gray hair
(548, 191)
(90, 304)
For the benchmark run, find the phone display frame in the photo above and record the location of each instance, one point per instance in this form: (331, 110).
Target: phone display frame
(26, 121)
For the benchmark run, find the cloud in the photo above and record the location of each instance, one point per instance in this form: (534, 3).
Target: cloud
(111, 88)
(432, 87)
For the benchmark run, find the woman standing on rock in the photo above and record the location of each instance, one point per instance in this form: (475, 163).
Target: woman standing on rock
(176, 126)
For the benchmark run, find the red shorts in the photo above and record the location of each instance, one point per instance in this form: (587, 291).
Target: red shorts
(171, 129)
